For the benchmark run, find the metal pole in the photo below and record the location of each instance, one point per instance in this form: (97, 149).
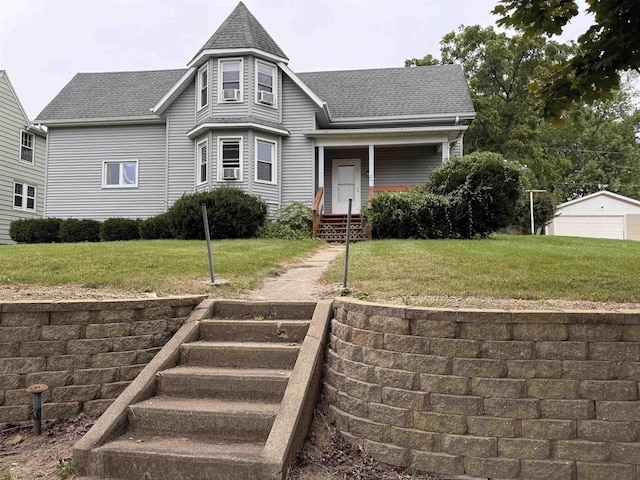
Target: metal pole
(533, 231)
(346, 254)
(208, 237)
(37, 390)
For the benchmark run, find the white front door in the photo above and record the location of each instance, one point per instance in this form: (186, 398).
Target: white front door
(345, 185)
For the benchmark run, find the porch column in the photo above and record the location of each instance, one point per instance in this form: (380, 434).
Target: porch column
(320, 167)
(445, 151)
(372, 156)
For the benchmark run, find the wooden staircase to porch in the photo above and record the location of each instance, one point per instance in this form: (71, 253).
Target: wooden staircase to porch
(333, 228)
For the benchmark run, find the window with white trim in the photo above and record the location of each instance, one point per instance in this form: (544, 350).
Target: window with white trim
(230, 154)
(265, 161)
(27, 141)
(265, 83)
(230, 80)
(203, 87)
(24, 197)
(121, 174)
(203, 161)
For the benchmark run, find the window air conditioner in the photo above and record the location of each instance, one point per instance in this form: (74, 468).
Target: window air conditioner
(230, 94)
(265, 97)
(230, 173)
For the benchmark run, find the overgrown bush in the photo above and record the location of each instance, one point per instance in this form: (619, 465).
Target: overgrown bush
(467, 197)
(155, 228)
(114, 229)
(35, 230)
(73, 230)
(232, 214)
(293, 222)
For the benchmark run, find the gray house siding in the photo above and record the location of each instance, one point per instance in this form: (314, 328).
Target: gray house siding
(456, 149)
(74, 175)
(181, 149)
(258, 110)
(268, 192)
(231, 109)
(12, 120)
(297, 166)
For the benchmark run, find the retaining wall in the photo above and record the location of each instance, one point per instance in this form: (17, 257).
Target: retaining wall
(86, 352)
(489, 394)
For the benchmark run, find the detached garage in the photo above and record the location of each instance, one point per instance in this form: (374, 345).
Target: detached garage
(599, 215)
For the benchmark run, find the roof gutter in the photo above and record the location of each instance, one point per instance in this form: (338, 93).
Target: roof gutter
(83, 122)
(454, 119)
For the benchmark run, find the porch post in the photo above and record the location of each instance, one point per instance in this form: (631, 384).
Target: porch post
(372, 156)
(320, 167)
(445, 151)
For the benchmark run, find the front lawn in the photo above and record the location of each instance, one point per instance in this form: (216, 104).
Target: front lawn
(502, 266)
(161, 266)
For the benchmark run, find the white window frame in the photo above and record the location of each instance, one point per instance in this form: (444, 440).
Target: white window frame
(221, 61)
(201, 86)
(274, 161)
(33, 147)
(199, 179)
(23, 207)
(275, 84)
(120, 176)
(221, 141)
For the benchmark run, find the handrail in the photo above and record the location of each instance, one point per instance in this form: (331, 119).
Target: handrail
(318, 210)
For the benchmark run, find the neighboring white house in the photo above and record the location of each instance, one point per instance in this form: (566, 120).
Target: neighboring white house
(22, 162)
(599, 215)
(130, 144)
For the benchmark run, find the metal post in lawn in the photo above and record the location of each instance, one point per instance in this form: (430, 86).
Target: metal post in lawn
(208, 237)
(533, 226)
(346, 253)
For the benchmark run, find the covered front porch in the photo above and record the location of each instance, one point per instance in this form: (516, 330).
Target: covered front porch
(356, 165)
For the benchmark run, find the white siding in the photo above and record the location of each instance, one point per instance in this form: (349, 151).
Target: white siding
(600, 205)
(74, 175)
(181, 148)
(12, 170)
(298, 167)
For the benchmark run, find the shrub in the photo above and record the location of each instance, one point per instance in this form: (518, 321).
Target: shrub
(155, 228)
(35, 230)
(232, 214)
(483, 189)
(114, 229)
(73, 230)
(293, 222)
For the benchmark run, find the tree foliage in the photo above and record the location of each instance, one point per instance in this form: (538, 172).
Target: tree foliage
(609, 46)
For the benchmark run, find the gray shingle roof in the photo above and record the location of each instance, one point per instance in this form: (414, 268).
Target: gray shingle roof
(242, 30)
(439, 89)
(110, 95)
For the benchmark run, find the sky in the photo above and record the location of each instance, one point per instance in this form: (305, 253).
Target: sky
(44, 43)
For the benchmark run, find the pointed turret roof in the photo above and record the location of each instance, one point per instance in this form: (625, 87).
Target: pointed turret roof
(242, 30)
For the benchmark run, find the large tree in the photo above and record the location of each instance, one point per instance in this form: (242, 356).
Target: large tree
(609, 46)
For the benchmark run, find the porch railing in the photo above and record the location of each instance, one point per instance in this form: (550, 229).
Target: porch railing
(318, 210)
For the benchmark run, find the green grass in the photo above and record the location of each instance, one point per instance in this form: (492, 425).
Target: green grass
(161, 266)
(509, 267)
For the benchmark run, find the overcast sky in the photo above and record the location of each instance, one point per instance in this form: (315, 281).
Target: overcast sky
(44, 43)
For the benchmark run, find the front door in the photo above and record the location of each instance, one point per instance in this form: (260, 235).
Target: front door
(345, 184)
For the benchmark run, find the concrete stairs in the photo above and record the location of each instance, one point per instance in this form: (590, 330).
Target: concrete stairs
(333, 228)
(229, 397)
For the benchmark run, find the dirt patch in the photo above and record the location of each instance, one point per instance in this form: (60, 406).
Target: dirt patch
(25, 456)
(22, 292)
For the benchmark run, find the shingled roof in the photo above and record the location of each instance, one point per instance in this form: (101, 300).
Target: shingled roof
(242, 30)
(388, 92)
(110, 95)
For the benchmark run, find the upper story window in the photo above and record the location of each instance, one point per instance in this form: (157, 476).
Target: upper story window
(24, 197)
(203, 161)
(122, 174)
(265, 161)
(230, 154)
(203, 87)
(231, 80)
(265, 83)
(27, 141)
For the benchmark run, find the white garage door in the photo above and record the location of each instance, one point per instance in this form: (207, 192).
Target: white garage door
(589, 226)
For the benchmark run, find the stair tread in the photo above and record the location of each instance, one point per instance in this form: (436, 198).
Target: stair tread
(183, 446)
(206, 405)
(242, 321)
(225, 371)
(245, 345)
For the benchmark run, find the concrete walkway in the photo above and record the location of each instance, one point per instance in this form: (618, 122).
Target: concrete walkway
(299, 282)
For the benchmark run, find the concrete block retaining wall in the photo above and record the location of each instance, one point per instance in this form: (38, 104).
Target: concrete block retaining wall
(86, 352)
(489, 394)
